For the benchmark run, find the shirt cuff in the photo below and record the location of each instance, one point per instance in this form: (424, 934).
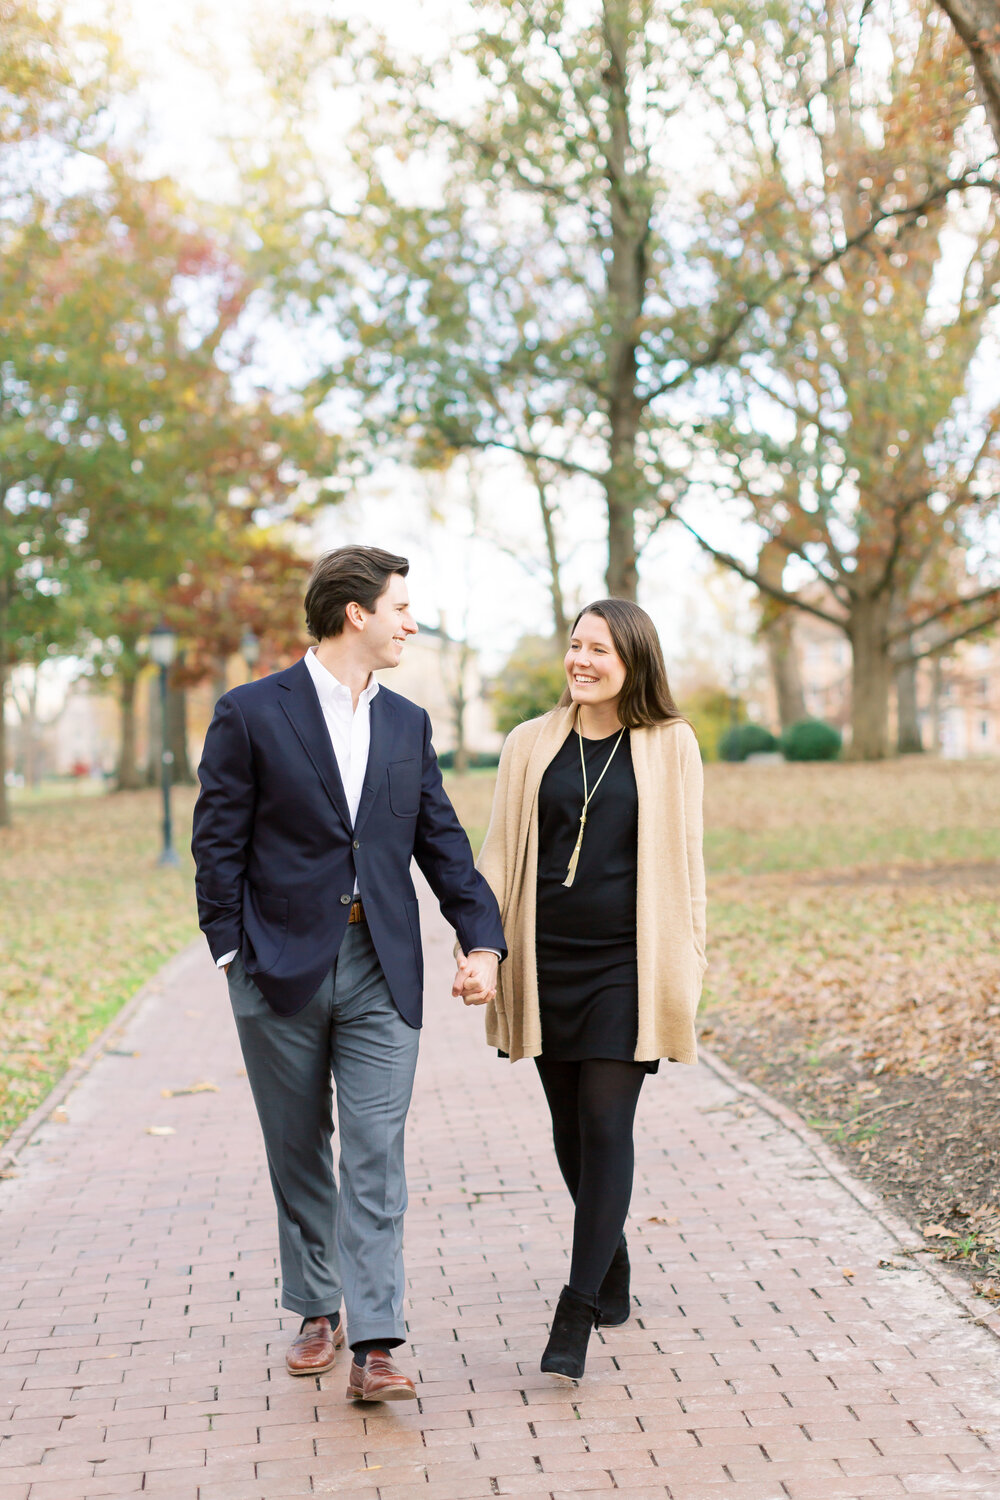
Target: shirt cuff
(486, 950)
(227, 958)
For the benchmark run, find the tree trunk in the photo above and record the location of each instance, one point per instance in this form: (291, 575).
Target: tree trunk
(629, 201)
(220, 680)
(871, 677)
(783, 659)
(177, 736)
(937, 683)
(459, 704)
(909, 740)
(127, 779)
(978, 24)
(154, 733)
(560, 623)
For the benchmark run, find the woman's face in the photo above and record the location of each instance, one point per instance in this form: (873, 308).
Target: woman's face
(594, 670)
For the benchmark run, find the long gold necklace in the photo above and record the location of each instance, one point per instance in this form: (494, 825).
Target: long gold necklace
(574, 858)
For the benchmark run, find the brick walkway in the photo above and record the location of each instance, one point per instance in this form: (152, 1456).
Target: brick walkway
(143, 1352)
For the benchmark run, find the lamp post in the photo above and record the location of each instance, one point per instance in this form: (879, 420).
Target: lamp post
(250, 650)
(163, 648)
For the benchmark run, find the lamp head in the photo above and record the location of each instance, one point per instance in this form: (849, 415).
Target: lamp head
(162, 645)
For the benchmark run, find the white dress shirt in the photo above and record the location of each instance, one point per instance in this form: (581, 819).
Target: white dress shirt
(350, 731)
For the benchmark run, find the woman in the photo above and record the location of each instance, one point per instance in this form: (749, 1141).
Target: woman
(594, 854)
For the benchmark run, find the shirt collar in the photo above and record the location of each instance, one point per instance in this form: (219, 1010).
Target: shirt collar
(330, 690)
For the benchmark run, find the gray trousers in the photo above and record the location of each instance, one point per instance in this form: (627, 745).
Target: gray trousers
(348, 1243)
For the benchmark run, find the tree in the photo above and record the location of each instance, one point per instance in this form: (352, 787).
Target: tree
(513, 271)
(977, 23)
(851, 436)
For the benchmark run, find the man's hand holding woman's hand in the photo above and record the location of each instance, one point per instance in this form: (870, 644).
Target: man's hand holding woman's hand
(476, 979)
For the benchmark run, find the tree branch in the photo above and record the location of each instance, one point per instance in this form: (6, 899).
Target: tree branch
(754, 577)
(993, 592)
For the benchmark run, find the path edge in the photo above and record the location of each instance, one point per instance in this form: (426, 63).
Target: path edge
(866, 1198)
(15, 1143)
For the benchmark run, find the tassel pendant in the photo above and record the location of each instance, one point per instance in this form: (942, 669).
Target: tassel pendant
(574, 858)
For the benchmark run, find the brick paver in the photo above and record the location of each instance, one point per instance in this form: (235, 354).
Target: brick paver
(143, 1349)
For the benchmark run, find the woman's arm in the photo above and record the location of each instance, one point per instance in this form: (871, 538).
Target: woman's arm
(694, 785)
(492, 861)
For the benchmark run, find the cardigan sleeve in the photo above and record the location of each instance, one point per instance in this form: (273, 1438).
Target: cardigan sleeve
(492, 861)
(694, 784)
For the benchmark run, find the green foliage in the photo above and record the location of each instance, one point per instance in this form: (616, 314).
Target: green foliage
(529, 684)
(811, 739)
(478, 760)
(710, 710)
(746, 739)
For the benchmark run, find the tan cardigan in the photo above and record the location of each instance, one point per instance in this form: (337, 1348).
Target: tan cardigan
(670, 896)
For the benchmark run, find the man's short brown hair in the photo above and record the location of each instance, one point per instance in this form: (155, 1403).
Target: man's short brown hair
(348, 575)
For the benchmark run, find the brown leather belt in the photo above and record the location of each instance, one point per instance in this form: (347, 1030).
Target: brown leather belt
(357, 912)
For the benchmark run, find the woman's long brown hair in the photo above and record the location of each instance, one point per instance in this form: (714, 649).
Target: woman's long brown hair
(645, 697)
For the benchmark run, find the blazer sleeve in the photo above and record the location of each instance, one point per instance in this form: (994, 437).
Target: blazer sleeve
(223, 821)
(694, 784)
(442, 850)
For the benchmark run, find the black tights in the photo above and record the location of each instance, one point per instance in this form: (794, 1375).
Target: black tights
(593, 1107)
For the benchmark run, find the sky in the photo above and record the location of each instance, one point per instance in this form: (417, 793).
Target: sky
(196, 88)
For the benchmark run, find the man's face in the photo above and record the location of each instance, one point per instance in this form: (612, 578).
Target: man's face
(387, 628)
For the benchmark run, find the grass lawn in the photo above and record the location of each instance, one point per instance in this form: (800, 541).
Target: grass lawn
(854, 947)
(86, 916)
(854, 944)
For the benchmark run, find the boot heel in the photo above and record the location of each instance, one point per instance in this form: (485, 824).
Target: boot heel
(565, 1355)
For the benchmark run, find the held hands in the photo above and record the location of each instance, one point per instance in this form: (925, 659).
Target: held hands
(476, 979)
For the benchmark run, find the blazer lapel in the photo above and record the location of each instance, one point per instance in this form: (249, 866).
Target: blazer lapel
(379, 750)
(301, 708)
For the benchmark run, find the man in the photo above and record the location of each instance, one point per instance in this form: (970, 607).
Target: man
(318, 786)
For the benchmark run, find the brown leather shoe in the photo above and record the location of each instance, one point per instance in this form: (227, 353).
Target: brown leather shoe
(379, 1380)
(314, 1350)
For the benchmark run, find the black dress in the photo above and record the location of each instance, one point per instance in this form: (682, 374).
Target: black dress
(585, 934)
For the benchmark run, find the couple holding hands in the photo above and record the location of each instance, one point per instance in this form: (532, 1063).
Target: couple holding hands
(582, 932)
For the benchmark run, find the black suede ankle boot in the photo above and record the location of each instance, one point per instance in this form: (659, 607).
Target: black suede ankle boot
(613, 1300)
(566, 1351)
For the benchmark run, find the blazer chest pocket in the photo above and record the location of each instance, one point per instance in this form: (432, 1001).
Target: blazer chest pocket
(404, 787)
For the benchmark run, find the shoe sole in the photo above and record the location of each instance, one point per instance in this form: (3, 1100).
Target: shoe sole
(397, 1393)
(562, 1379)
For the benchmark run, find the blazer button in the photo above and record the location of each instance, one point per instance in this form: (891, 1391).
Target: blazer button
(345, 900)
(357, 843)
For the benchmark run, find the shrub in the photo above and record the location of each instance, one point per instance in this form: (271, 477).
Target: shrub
(479, 760)
(746, 739)
(811, 739)
(710, 710)
(529, 683)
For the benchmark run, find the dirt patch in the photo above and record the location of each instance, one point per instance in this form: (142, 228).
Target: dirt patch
(931, 1147)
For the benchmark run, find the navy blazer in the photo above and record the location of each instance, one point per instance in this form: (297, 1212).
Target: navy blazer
(276, 855)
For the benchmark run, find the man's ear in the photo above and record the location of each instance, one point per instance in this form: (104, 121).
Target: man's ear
(354, 615)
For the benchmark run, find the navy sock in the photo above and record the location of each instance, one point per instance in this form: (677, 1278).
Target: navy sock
(333, 1317)
(363, 1347)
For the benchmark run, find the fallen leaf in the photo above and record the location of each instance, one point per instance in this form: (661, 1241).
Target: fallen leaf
(160, 1130)
(194, 1088)
(988, 1289)
(655, 1219)
(59, 1116)
(846, 1272)
(938, 1232)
